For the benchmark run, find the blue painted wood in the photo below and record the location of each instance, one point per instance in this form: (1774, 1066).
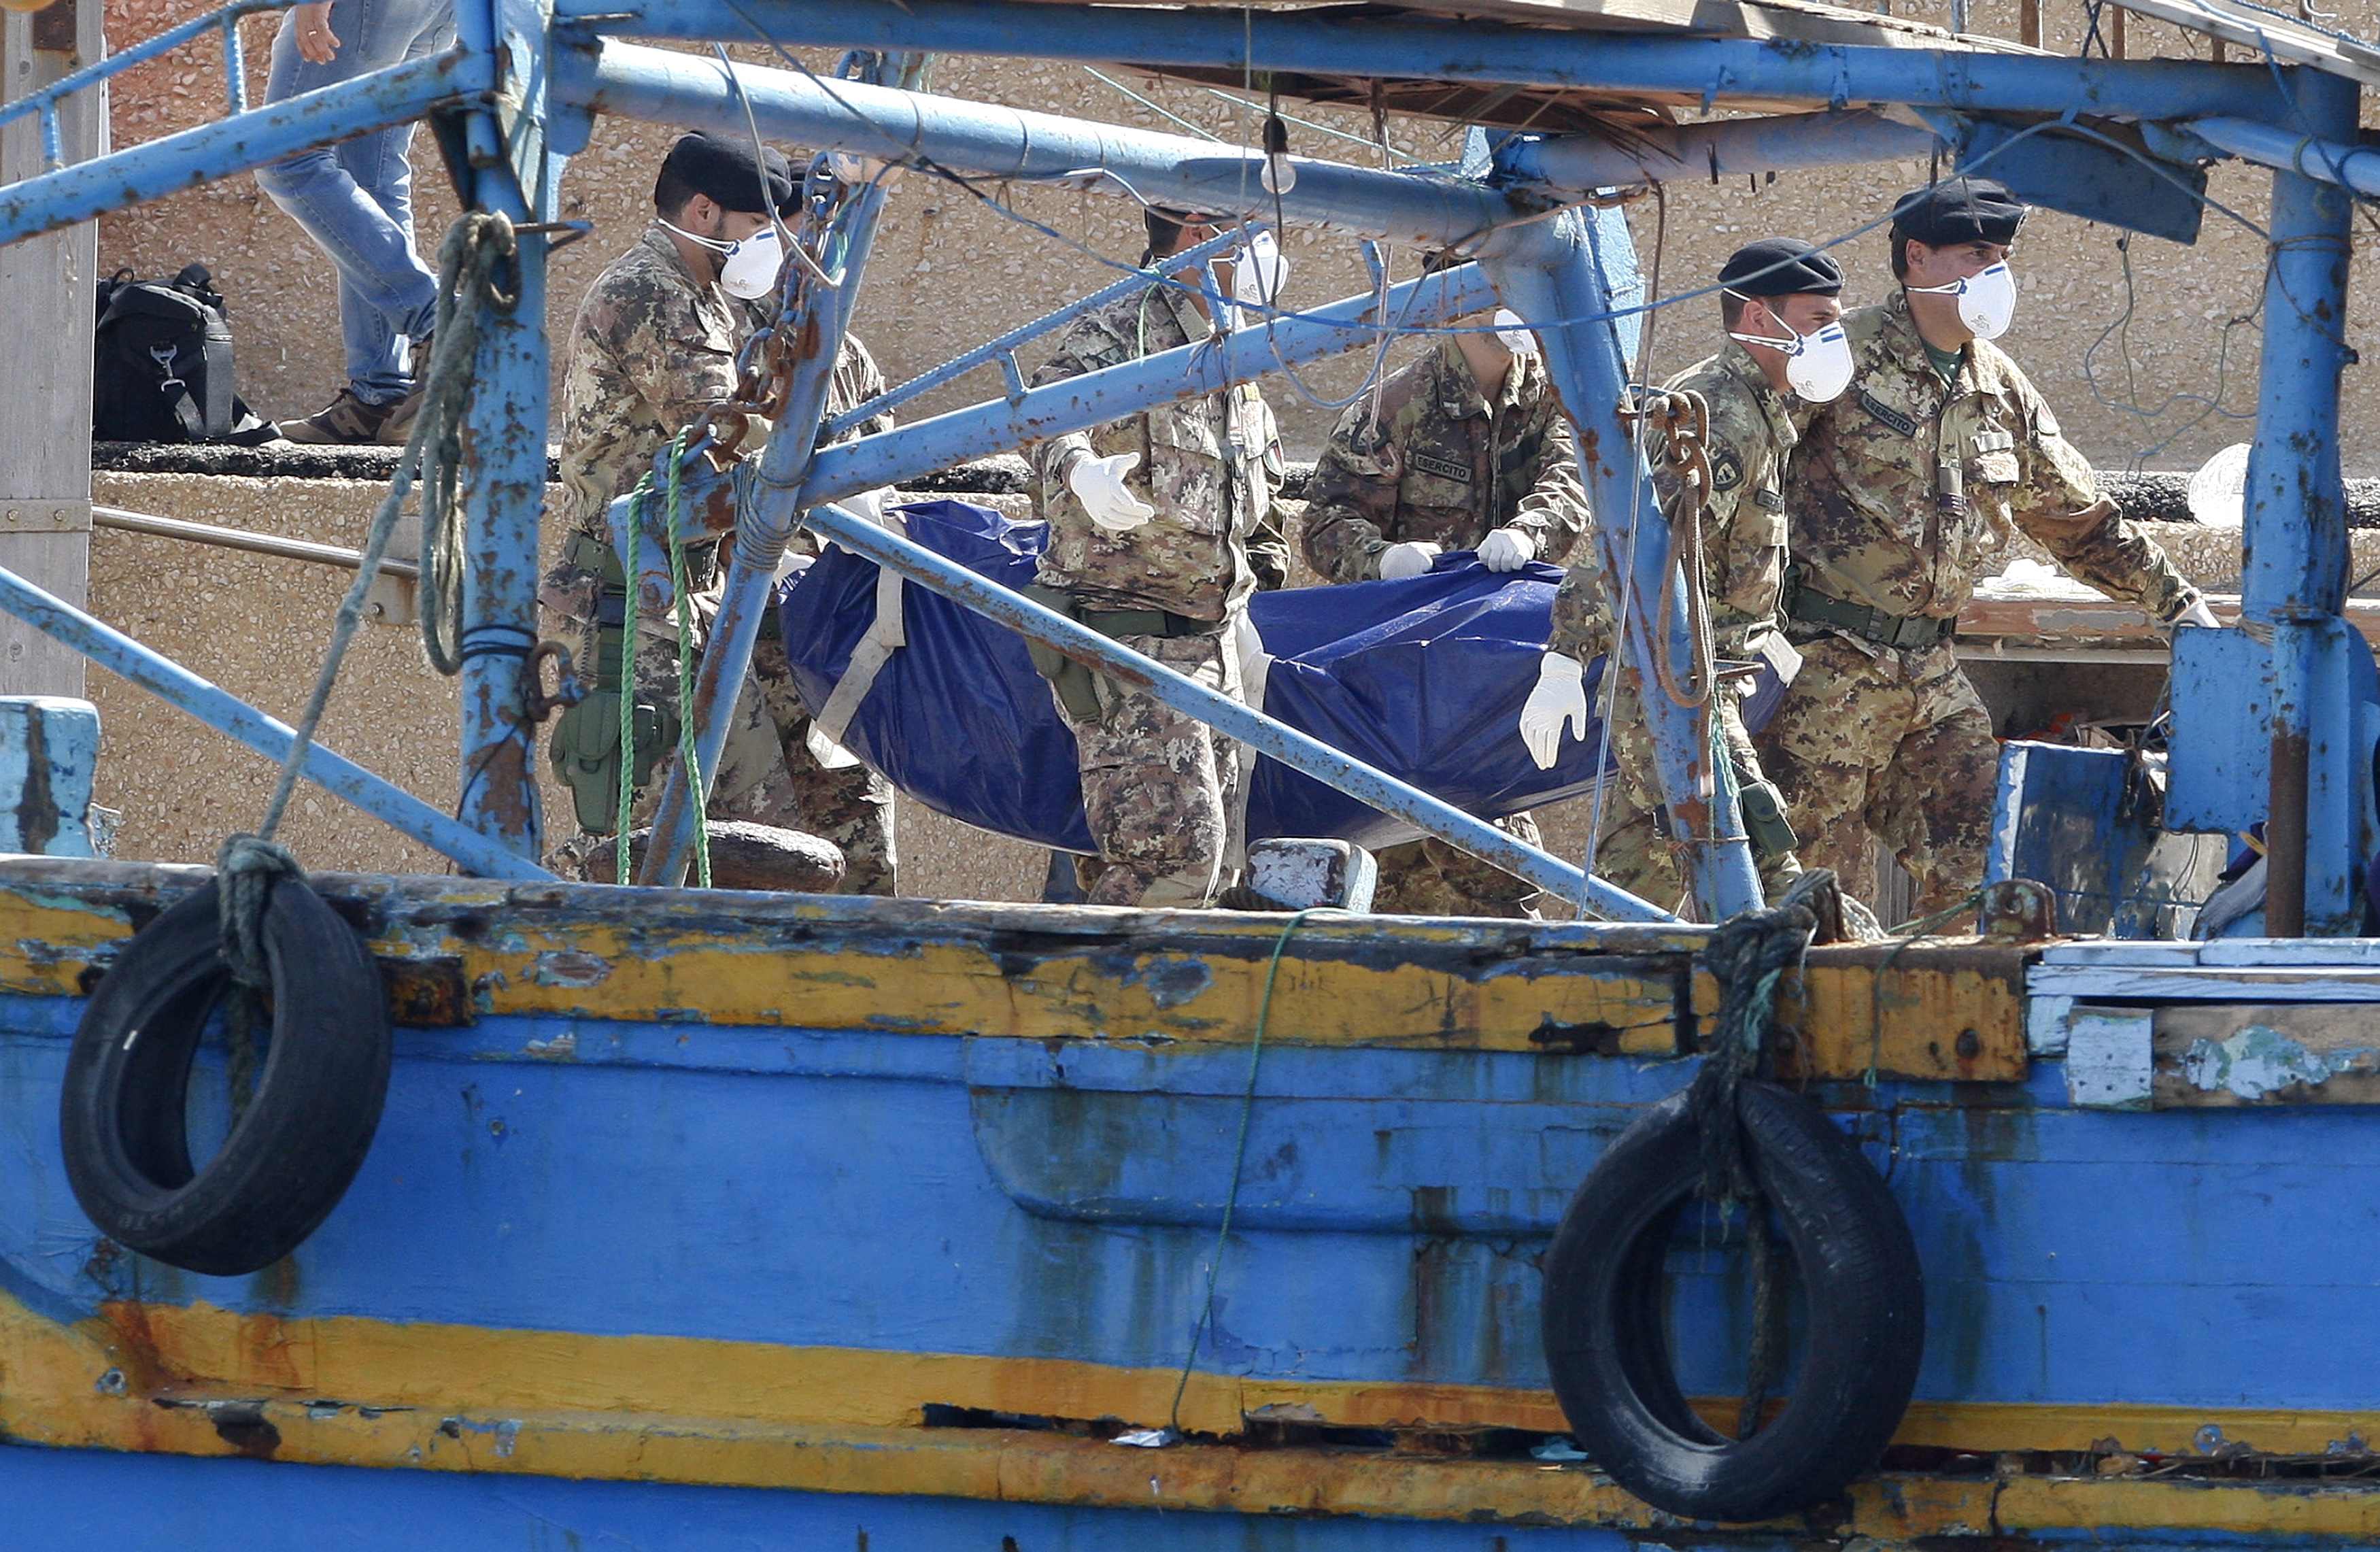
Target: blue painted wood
(566, 1174)
(49, 754)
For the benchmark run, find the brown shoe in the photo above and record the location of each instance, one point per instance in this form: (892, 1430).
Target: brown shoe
(401, 414)
(399, 424)
(349, 422)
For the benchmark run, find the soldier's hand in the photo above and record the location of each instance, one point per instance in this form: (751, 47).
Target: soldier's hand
(2198, 614)
(1410, 559)
(1098, 484)
(1506, 550)
(1558, 701)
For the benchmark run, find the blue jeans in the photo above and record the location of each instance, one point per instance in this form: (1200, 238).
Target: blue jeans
(355, 198)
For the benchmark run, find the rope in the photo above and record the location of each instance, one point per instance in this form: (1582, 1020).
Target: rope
(675, 509)
(246, 867)
(249, 865)
(1238, 1160)
(1749, 954)
(628, 644)
(467, 270)
(687, 755)
(1684, 419)
(473, 246)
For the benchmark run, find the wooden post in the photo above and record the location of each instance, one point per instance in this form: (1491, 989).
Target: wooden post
(45, 346)
(2028, 23)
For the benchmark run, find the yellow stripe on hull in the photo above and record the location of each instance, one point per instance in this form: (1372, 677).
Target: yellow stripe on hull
(200, 1380)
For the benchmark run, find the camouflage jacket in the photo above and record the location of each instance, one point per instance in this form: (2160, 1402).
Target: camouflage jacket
(651, 348)
(1752, 430)
(1904, 487)
(1209, 466)
(1441, 464)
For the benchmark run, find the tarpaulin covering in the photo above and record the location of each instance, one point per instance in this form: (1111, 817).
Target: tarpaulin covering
(1422, 679)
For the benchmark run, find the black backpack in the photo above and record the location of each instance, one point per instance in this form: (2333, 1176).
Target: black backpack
(163, 371)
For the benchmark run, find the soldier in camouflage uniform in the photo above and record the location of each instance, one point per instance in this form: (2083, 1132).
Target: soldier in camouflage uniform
(1900, 492)
(653, 346)
(1778, 307)
(1469, 449)
(1151, 519)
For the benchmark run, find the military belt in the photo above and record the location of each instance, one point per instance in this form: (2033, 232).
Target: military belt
(611, 597)
(1906, 633)
(1147, 621)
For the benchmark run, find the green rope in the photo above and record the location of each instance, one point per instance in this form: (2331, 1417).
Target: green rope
(687, 755)
(620, 871)
(1238, 1160)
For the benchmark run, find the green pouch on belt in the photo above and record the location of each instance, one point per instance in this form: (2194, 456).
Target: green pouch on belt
(1077, 686)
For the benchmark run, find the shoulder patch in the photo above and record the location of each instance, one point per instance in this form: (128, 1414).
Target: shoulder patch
(1445, 468)
(1727, 470)
(1885, 414)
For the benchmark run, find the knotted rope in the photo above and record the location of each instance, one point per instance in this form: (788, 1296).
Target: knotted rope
(1749, 956)
(245, 869)
(467, 272)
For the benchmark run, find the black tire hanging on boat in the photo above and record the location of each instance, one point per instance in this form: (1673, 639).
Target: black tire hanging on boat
(319, 1088)
(1605, 1339)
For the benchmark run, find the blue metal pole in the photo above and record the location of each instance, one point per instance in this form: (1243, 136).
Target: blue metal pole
(2292, 151)
(504, 435)
(763, 528)
(2294, 547)
(1002, 344)
(1078, 403)
(1227, 716)
(227, 714)
(1470, 50)
(682, 89)
(1571, 167)
(1558, 276)
(151, 171)
(1188, 372)
(222, 20)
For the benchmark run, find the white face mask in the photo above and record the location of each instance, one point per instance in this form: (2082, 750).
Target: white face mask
(1512, 331)
(1986, 299)
(751, 271)
(1257, 272)
(1818, 367)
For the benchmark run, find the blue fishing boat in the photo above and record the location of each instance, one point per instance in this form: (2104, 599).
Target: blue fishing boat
(498, 1210)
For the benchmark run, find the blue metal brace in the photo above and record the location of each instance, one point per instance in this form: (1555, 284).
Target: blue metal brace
(1555, 272)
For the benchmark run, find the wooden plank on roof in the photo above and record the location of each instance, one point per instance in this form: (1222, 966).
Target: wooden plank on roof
(2257, 30)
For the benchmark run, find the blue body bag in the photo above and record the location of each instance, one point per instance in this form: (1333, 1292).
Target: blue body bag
(1422, 679)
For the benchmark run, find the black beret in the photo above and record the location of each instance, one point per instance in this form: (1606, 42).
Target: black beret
(1960, 210)
(724, 169)
(1780, 267)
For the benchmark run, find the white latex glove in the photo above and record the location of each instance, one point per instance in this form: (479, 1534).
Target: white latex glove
(1506, 550)
(1098, 484)
(1411, 559)
(871, 505)
(1559, 698)
(2197, 615)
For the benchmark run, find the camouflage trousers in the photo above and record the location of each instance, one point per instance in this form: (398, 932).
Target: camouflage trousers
(1631, 850)
(1159, 787)
(1897, 745)
(767, 773)
(1428, 878)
